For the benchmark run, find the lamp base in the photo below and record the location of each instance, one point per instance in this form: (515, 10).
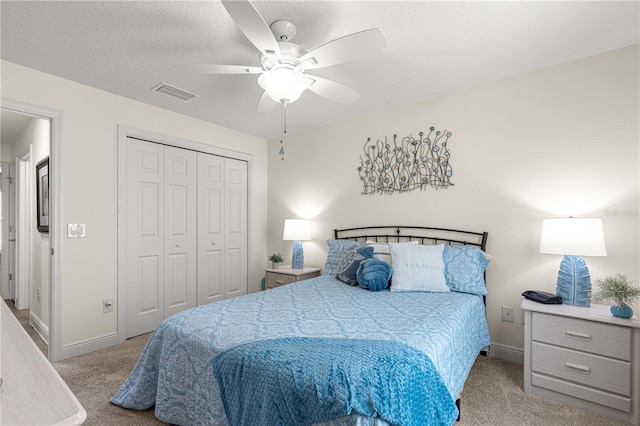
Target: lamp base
(297, 260)
(574, 281)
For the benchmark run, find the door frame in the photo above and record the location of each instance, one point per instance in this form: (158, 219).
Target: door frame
(55, 215)
(123, 133)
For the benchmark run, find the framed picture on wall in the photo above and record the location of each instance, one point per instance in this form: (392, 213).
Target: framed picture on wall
(42, 188)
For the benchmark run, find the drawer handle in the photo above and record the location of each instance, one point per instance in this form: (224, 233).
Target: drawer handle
(576, 368)
(279, 282)
(579, 336)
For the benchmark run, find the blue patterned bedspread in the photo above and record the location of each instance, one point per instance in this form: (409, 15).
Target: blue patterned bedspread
(175, 370)
(306, 380)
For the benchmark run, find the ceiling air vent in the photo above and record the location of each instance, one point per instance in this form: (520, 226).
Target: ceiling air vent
(173, 91)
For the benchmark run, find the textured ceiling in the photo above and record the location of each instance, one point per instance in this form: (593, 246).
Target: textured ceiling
(433, 48)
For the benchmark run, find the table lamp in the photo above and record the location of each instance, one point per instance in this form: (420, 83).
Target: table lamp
(573, 237)
(297, 230)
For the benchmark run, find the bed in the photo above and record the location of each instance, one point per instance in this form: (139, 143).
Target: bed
(368, 357)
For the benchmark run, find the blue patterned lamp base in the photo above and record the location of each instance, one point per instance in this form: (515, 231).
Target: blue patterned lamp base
(574, 281)
(297, 261)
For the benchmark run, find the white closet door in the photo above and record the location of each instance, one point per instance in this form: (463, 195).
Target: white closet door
(180, 230)
(143, 246)
(236, 263)
(210, 228)
(185, 231)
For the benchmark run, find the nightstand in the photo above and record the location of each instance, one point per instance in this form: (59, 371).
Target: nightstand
(287, 275)
(583, 356)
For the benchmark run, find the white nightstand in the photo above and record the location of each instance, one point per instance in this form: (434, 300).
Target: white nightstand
(287, 275)
(583, 357)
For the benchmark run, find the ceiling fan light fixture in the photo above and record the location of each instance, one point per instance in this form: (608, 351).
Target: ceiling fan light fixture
(284, 85)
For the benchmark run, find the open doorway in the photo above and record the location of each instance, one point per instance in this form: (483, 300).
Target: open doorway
(24, 251)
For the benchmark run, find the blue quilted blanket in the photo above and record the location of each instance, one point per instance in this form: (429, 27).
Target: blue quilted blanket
(175, 370)
(301, 381)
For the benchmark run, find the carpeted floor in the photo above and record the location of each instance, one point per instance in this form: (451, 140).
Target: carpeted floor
(492, 395)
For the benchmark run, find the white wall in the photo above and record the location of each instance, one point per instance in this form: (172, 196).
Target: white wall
(90, 120)
(557, 142)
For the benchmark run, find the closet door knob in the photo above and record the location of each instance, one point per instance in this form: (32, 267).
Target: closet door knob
(178, 245)
(213, 243)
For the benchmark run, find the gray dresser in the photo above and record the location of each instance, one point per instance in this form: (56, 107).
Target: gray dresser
(583, 356)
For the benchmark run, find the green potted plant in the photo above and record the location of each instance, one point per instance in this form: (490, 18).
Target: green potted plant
(619, 290)
(275, 259)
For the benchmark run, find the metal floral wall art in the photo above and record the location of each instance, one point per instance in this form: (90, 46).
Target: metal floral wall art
(400, 166)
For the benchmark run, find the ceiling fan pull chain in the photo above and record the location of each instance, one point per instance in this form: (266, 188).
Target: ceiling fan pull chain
(284, 129)
(284, 118)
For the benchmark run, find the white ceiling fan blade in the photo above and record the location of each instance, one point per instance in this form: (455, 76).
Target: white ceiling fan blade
(345, 49)
(253, 26)
(332, 90)
(222, 69)
(266, 103)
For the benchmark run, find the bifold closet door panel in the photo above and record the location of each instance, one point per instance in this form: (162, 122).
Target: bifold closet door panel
(210, 228)
(180, 242)
(144, 237)
(185, 231)
(236, 233)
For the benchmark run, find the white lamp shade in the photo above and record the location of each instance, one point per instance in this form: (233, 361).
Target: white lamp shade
(296, 230)
(284, 85)
(575, 236)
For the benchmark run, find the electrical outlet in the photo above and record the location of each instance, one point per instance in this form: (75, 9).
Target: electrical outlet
(107, 305)
(507, 313)
(38, 293)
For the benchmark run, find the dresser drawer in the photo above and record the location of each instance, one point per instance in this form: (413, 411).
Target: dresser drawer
(607, 399)
(600, 372)
(597, 338)
(275, 280)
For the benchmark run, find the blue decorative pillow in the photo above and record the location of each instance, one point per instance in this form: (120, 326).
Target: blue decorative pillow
(464, 268)
(337, 250)
(373, 274)
(349, 264)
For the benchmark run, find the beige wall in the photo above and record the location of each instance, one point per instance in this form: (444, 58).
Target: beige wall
(35, 134)
(90, 120)
(5, 153)
(40, 243)
(557, 142)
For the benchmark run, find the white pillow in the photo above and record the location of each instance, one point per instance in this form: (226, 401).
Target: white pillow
(418, 268)
(381, 250)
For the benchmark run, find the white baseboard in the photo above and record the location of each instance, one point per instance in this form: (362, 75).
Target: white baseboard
(87, 346)
(508, 353)
(40, 327)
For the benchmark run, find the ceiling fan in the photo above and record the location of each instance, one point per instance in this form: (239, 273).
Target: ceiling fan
(282, 74)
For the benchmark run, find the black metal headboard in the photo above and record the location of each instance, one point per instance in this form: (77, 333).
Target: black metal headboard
(423, 235)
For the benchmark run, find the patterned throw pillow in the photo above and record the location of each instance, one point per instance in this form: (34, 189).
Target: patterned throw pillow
(464, 268)
(337, 250)
(348, 266)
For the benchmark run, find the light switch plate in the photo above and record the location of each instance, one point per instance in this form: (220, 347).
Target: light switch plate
(76, 230)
